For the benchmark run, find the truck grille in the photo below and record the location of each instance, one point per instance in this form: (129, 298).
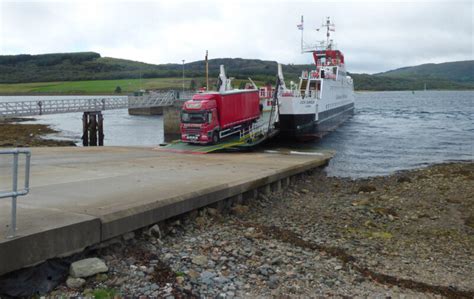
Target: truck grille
(192, 131)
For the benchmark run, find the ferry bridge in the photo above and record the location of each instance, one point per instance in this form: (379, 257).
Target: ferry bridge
(92, 109)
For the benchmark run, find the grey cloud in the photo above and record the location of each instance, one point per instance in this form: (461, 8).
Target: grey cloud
(374, 35)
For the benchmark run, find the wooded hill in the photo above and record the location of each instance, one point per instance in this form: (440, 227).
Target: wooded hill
(458, 71)
(91, 66)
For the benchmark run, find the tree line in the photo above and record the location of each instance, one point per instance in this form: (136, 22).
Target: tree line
(92, 66)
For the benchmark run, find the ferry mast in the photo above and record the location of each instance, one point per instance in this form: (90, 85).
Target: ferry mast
(320, 45)
(329, 27)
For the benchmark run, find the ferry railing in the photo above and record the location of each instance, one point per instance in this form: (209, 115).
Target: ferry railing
(253, 132)
(14, 193)
(320, 46)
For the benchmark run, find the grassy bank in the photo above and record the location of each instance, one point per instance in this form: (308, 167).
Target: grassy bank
(104, 86)
(92, 87)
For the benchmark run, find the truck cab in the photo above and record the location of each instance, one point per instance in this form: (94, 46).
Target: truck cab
(199, 119)
(211, 116)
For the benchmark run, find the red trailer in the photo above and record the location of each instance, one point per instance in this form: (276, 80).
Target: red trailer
(208, 117)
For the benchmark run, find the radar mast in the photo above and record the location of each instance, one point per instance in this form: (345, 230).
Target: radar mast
(320, 45)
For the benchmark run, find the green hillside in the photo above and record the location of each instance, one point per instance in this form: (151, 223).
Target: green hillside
(458, 71)
(75, 67)
(382, 83)
(66, 71)
(91, 66)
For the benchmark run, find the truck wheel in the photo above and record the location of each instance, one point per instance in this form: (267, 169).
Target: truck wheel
(215, 138)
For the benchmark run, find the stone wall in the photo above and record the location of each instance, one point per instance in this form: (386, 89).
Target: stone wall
(146, 111)
(171, 120)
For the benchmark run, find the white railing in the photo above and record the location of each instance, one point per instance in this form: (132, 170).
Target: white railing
(29, 108)
(321, 46)
(14, 193)
(254, 132)
(259, 129)
(152, 99)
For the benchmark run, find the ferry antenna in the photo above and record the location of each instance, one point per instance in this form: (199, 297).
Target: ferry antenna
(301, 27)
(329, 27)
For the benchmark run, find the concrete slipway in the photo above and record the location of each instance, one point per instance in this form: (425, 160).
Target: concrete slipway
(82, 196)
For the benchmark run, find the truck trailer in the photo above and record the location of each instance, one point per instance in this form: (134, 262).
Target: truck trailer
(211, 116)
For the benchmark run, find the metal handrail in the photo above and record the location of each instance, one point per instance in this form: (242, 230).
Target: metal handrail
(55, 106)
(15, 192)
(252, 132)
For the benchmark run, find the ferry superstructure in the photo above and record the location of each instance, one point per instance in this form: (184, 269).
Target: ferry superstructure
(324, 97)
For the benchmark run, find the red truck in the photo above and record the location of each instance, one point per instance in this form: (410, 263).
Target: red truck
(211, 116)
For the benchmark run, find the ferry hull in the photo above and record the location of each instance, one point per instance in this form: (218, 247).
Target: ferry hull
(304, 127)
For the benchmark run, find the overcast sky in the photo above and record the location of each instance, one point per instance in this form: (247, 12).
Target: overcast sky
(374, 35)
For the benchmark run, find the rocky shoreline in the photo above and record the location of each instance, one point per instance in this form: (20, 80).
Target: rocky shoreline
(14, 133)
(408, 234)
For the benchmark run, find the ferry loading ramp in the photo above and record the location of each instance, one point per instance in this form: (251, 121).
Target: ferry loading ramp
(83, 196)
(260, 131)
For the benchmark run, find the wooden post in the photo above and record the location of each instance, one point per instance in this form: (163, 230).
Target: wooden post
(85, 129)
(93, 129)
(100, 127)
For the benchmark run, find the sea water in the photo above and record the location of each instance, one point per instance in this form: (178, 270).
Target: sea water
(390, 131)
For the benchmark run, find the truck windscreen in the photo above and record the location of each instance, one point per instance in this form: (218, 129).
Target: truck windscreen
(194, 118)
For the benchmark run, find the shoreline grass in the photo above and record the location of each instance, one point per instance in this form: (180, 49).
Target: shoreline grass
(93, 86)
(102, 87)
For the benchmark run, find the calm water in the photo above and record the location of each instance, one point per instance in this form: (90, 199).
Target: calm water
(394, 131)
(390, 131)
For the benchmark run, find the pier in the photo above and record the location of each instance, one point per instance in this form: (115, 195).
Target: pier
(80, 197)
(82, 104)
(149, 103)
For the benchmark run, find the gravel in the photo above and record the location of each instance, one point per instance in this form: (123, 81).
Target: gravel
(409, 234)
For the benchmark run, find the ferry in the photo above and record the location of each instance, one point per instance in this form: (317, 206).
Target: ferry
(324, 97)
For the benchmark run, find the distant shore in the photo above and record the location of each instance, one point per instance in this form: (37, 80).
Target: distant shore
(86, 93)
(60, 94)
(120, 87)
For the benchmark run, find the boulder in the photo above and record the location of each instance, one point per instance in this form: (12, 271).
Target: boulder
(155, 231)
(75, 283)
(87, 267)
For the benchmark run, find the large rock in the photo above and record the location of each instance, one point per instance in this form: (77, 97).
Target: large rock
(75, 283)
(87, 267)
(155, 231)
